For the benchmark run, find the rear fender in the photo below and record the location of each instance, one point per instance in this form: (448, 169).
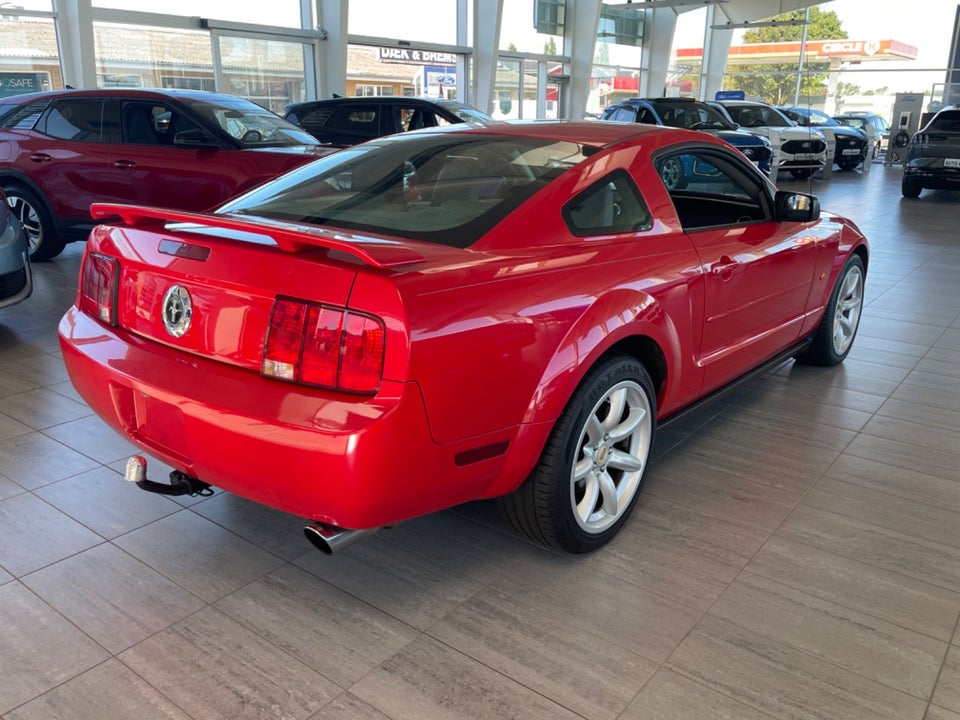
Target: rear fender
(615, 319)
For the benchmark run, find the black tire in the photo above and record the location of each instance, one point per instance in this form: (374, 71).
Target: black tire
(838, 327)
(555, 508)
(910, 188)
(802, 173)
(44, 240)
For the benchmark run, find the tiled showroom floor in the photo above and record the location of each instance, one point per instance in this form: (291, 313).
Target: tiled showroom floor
(795, 554)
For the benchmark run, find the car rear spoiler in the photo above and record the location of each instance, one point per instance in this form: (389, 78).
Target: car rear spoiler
(290, 238)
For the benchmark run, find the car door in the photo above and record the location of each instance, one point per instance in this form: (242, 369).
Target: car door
(67, 155)
(757, 271)
(157, 170)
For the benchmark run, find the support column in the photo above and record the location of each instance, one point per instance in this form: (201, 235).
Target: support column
(579, 41)
(486, 47)
(332, 48)
(658, 27)
(78, 57)
(716, 50)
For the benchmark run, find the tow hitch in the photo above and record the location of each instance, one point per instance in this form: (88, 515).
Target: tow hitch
(180, 483)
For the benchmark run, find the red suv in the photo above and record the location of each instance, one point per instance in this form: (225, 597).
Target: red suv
(179, 149)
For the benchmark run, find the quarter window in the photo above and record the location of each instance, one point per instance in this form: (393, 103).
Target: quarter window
(613, 205)
(80, 120)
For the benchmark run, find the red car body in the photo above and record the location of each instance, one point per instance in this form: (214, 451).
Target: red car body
(61, 151)
(482, 346)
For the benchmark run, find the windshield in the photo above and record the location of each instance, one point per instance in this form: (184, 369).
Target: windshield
(443, 188)
(692, 116)
(251, 125)
(466, 113)
(758, 116)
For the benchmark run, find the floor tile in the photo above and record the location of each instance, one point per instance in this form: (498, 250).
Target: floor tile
(34, 534)
(947, 692)
(872, 648)
(214, 668)
(114, 598)
(670, 696)
(42, 408)
(546, 653)
(902, 482)
(105, 502)
(325, 628)
(938, 713)
(8, 488)
(94, 694)
(349, 707)
(93, 438)
(202, 557)
(905, 455)
(883, 594)
(35, 460)
(272, 530)
(430, 680)
(40, 648)
(409, 587)
(782, 682)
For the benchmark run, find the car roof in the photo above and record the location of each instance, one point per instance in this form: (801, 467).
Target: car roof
(124, 92)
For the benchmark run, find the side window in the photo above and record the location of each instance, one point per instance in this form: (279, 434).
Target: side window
(151, 123)
(709, 188)
(645, 116)
(613, 205)
(316, 118)
(415, 118)
(22, 117)
(359, 119)
(77, 119)
(625, 114)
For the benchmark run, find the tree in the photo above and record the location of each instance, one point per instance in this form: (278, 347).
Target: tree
(550, 47)
(777, 83)
(511, 47)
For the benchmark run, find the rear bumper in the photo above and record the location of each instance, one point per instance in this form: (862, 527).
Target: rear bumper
(933, 178)
(353, 462)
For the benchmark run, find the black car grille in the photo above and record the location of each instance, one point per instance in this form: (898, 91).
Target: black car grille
(12, 283)
(757, 153)
(804, 146)
(849, 142)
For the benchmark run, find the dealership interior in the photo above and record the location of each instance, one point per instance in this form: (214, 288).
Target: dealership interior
(794, 552)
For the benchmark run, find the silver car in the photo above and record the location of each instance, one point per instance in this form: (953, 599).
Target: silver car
(16, 283)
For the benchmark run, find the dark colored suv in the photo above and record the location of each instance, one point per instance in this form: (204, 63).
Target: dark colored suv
(179, 149)
(693, 115)
(347, 121)
(933, 156)
(851, 143)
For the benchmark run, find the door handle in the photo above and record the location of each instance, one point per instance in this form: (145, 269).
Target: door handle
(40, 157)
(725, 268)
(124, 164)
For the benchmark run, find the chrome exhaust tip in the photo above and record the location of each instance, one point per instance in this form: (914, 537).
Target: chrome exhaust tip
(329, 538)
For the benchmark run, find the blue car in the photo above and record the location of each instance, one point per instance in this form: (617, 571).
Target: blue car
(16, 283)
(693, 115)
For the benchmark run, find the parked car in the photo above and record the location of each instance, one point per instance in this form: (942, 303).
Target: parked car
(181, 149)
(851, 144)
(469, 312)
(346, 121)
(692, 115)
(803, 151)
(933, 155)
(16, 282)
(860, 121)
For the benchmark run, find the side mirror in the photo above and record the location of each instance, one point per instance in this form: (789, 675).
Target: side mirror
(796, 207)
(195, 138)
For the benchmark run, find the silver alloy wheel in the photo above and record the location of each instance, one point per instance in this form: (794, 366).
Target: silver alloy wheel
(29, 219)
(671, 172)
(611, 457)
(846, 314)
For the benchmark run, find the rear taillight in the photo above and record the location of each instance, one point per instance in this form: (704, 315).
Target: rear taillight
(325, 346)
(99, 280)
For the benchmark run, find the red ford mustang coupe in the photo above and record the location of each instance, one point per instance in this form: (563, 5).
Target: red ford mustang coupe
(447, 315)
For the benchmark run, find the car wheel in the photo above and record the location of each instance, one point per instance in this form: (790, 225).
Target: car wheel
(910, 188)
(592, 467)
(42, 237)
(671, 172)
(802, 173)
(838, 328)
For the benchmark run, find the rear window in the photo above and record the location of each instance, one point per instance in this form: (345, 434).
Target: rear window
(443, 188)
(946, 121)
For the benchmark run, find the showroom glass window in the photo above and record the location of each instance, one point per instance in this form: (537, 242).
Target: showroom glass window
(281, 13)
(29, 61)
(137, 56)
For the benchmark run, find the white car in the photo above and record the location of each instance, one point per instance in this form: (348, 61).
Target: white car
(15, 281)
(803, 150)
